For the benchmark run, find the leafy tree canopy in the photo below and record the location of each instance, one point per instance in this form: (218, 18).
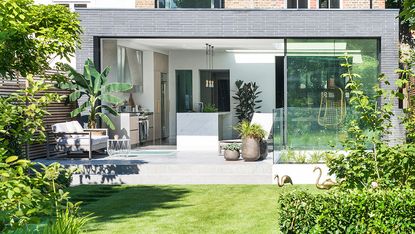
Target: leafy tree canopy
(32, 35)
(408, 13)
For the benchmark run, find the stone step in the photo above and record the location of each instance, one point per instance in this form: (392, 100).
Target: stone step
(172, 169)
(173, 179)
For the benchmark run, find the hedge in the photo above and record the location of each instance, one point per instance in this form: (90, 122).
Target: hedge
(352, 211)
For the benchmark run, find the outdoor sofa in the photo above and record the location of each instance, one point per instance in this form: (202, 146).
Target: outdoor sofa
(70, 137)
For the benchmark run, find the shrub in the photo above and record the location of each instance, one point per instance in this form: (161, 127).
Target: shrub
(369, 157)
(210, 108)
(246, 130)
(233, 147)
(350, 211)
(67, 222)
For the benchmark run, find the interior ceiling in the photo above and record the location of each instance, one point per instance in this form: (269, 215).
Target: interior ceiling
(200, 44)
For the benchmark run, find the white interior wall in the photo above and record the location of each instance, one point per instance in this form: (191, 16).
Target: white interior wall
(146, 97)
(109, 58)
(258, 68)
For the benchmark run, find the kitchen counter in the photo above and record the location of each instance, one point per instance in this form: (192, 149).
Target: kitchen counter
(138, 112)
(199, 131)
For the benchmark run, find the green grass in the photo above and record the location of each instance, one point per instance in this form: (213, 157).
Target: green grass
(182, 208)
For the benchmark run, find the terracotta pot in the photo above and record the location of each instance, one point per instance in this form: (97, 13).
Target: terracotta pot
(250, 149)
(231, 155)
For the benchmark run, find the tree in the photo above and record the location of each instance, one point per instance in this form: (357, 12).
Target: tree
(32, 35)
(95, 87)
(406, 18)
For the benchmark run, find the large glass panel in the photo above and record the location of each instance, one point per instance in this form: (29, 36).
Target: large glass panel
(318, 111)
(184, 90)
(215, 89)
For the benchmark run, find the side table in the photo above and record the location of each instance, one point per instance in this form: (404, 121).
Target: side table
(118, 146)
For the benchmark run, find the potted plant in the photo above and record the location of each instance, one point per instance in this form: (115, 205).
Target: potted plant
(98, 92)
(251, 134)
(232, 152)
(247, 100)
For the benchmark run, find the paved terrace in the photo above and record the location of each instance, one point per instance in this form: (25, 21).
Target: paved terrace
(167, 167)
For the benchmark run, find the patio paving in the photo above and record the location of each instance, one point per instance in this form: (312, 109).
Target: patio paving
(167, 166)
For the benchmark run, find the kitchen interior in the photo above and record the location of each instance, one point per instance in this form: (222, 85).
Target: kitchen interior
(144, 115)
(182, 88)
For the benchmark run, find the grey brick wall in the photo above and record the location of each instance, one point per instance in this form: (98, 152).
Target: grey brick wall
(224, 23)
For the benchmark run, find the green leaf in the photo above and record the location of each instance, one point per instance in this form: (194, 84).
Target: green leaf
(97, 82)
(10, 194)
(11, 159)
(80, 109)
(109, 109)
(111, 99)
(118, 87)
(104, 75)
(75, 95)
(78, 78)
(106, 120)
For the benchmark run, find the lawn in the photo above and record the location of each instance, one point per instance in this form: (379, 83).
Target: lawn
(182, 208)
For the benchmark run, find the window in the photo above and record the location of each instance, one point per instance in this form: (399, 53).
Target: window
(81, 5)
(189, 3)
(329, 4)
(297, 4)
(65, 5)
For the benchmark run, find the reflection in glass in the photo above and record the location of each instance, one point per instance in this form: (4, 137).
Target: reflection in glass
(318, 112)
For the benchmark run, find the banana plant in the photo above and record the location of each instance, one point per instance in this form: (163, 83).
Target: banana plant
(95, 87)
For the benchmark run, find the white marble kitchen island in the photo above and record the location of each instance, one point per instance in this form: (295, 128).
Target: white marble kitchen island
(197, 131)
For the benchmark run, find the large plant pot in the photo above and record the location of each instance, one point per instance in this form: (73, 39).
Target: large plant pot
(231, 155)
(250, 149)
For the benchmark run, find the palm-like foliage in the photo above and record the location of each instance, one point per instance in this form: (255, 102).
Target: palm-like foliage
(248, 130)
(95, 86)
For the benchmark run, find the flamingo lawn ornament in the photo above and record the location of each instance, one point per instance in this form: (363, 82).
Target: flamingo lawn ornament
(327, 184)
(284, 180)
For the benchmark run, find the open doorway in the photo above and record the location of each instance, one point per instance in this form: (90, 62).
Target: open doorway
(176, 79)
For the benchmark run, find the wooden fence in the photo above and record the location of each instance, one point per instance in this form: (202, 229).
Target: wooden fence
(59, 112)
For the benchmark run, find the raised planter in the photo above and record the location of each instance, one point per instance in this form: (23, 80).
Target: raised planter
(300, 173)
